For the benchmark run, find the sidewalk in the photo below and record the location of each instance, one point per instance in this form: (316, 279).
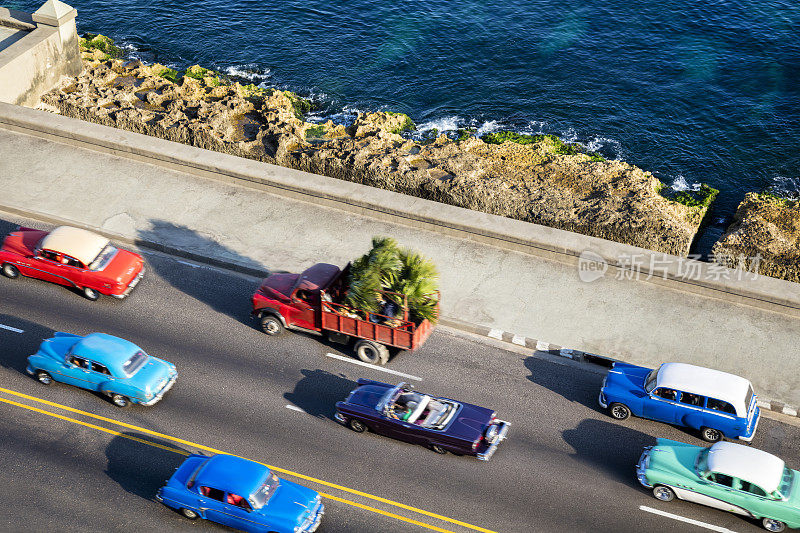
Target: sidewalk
(513, 292)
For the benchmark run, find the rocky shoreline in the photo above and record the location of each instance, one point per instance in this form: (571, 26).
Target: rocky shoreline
(764, 236)
(537, 179)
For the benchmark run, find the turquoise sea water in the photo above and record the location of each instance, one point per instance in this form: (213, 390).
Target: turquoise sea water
(695, 92)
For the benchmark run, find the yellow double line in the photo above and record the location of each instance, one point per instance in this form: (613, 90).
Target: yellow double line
(215, 451)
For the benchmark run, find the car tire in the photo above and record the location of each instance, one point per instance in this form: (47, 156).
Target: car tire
(619, 411)
(663, 493)
(119, 400)
(438, 449)
(90, 294)
(10, 271)
(44, 377)
(188, 513)
(271, 325)
(773, 525)
(372, 352)
(710, 434)
(357, 425)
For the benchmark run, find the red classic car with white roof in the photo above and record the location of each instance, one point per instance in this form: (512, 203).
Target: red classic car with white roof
(73, 257)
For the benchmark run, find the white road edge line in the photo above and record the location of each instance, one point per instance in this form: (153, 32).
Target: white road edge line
(190, 264)
(374, 367)
(295, 408)
(712, 527)
(9, 328)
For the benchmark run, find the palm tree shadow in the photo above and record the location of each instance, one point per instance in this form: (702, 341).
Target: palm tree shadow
(141, 469)
(608, 447)
(318, 392)
(229, 298)
(18, 346)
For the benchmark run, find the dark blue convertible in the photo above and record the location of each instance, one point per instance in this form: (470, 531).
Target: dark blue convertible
(241, 494)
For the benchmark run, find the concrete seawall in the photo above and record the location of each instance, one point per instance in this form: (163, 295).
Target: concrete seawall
(501, 273)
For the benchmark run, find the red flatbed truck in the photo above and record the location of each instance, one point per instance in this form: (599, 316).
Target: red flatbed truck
(308, 302)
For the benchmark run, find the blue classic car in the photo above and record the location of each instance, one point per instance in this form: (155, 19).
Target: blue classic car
(715, 403)
(241, 494)
(100, 362)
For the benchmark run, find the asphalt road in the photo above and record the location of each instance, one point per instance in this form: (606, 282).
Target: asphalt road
(565, 467)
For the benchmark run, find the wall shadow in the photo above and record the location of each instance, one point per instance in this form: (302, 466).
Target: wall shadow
(318, 391)
(141, 469)
(16, 347)
(608, 447)
(230, 298)
(572, 384)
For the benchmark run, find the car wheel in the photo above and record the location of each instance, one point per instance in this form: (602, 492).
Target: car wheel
(10, 271)
(119, 400)
(372, 352)
(188, 513)
(90, 294)
(619, 411)
(357, 425)
(710, 434)
(438, 449)
(773, 525)
(271, 325)
(44, 377)
(665, 494)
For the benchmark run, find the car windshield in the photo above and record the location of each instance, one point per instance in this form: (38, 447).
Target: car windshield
(265, 491)
(650, 381)
(103, 258)
(701, 463)
(132, 365)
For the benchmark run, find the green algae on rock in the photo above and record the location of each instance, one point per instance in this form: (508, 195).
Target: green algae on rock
(764, 236)
(544, 181)
(99, 46)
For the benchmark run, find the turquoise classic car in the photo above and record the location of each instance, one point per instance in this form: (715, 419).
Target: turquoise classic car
(727, 476)
(103, 363)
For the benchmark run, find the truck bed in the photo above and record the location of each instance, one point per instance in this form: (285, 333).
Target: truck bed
(406, 336)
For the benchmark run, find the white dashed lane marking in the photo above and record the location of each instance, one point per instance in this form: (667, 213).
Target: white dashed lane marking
(9, 328)
(374, 367)
(698, 523)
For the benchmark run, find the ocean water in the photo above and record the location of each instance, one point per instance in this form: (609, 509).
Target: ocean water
(695, 92)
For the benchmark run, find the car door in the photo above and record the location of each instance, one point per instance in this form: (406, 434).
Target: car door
(302, 312)
(661, 405)
(690, 410)
(723, 493)
(238, 515)
(211, 504)
(45, 266)
(98, 375)
(71, 271)
(75, 371)
(722, 416)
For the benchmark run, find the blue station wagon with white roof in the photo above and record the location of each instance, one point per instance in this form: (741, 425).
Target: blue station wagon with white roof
(715, 403)
(103, 363)
(242, 494)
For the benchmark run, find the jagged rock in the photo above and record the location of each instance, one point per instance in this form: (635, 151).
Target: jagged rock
(533, 182)
(764, 235)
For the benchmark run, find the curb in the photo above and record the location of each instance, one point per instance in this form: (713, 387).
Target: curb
(492, 333)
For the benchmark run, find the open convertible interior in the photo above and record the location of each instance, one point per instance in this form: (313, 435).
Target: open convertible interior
(422, 410)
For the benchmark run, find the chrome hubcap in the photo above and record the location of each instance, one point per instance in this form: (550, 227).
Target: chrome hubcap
(44, 378)
(272, 327)
(662, 494)
(120, 401)
(772, 525)
(619, 412)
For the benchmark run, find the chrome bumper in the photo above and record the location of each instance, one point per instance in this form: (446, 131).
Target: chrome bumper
(162, 392)
(133, 284)
(340, 418)
(158, 496)
(641, 466)
(314, 525)
(502, 432)
(602, 400)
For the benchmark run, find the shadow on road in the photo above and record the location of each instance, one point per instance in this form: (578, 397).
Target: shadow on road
(139, 468)
(571, 383)
(16, 347)
(230, 298)
(608, 447)
(318, 392)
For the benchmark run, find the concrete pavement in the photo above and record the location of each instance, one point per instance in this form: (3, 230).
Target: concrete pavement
(626, 319)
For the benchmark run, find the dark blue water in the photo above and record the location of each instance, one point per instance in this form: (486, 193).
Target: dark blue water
(691, 91)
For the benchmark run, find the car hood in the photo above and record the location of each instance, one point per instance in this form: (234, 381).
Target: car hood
(470, 422)
(279, 285)
(123, 267)
(290, 504)
(367, 395)
(152, 374)
(23, 242)
(626, 376)
(675, 457)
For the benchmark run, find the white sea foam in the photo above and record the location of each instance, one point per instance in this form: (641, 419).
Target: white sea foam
(249, 72)
(488, 127)
(786, 186)
(441, 124)
(680, 184)
(606, 144)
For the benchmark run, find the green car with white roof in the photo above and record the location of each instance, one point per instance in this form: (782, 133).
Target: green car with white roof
(727, 476)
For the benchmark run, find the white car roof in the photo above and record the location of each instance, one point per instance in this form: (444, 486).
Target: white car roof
(749, 464)
(83, 245)
(705, 382)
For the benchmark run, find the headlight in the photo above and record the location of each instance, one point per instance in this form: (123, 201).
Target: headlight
(491, 433)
